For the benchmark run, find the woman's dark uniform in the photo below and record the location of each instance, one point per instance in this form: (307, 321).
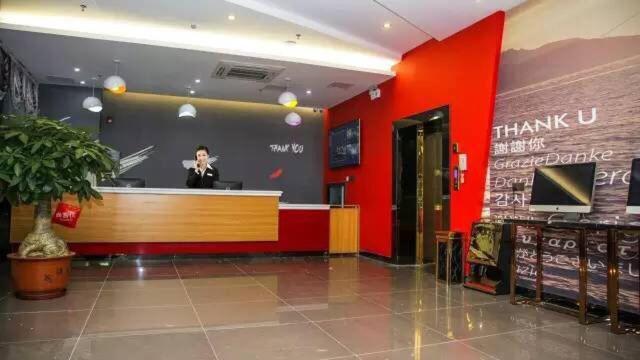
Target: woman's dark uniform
(202, 181)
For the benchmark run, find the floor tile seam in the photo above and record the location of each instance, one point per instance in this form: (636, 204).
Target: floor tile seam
(196, 329)
(436, 330)
(478, 350)
(193, 308)
(497, 334)
(176, 289)
(44, 311)
(84, 326)
(142, 307)
(224, 328)
(532, 329)
(217, 286)
(351, 352)
(321, 296)
(3, 343)
(390, 292)
(426, 326)
(408, 348)
(354, 317)
(543, 328)
(447, 307)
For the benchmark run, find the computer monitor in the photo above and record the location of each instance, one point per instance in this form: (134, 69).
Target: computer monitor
(633, 201)
(227, 185)
(129, 182)
(563, 188)
(336, 194)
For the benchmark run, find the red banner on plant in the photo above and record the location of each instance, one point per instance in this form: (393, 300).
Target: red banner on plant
(66, 215)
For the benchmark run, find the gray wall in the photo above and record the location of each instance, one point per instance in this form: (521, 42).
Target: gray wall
(58, 101)
(239, 133)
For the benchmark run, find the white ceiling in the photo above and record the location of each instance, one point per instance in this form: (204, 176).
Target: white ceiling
(342, 40)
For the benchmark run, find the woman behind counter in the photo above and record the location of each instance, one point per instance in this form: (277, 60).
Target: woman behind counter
(202, 175)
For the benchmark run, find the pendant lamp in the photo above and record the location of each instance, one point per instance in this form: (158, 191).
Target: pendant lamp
(115, 83)
(187, 110)
(92, 103)
(293, 119)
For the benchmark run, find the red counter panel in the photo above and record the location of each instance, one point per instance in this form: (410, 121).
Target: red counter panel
(298, 231)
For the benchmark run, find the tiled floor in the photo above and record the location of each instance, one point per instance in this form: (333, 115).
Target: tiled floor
(285, 308)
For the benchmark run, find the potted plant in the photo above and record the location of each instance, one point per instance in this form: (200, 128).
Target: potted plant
(40, 161)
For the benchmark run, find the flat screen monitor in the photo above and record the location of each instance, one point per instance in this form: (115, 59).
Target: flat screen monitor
(344, 145)
(129, 182)
(227, 185)
(336, 194)
(633, 202)
(563, 188)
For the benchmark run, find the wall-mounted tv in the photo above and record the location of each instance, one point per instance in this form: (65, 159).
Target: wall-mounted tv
(633, 201)
(344, 145)
(563, 188)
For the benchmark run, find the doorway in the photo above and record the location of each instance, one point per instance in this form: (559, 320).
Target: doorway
(420, 185)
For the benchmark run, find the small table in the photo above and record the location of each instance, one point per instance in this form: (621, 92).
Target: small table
(612, 264)
(448, 238)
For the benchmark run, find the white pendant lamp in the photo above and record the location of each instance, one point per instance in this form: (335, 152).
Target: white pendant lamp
(288, 99)
(187, 110)
(115, 83)
(92, 103)
(293, 119)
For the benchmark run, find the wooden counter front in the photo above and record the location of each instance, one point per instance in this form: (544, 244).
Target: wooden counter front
(156, 217)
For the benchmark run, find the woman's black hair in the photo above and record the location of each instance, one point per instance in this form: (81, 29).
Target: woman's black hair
(200, 147)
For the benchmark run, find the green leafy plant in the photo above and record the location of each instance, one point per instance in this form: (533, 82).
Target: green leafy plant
(40, 161)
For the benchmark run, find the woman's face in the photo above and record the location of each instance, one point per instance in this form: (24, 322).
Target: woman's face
(202, 156)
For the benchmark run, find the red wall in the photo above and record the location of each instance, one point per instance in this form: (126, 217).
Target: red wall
(461, 72)
(298, 231)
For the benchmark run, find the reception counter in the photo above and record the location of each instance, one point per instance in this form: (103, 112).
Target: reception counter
(189, 221)
(167, 215)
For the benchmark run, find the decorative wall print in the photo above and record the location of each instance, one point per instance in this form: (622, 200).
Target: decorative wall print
(17, 85)
(30, 96)
(5, 73)
(130, 161)
(276, 174)
(566, 96)
(24, 90)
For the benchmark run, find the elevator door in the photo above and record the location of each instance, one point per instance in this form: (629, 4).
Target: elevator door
(404, 206)
(432, 193)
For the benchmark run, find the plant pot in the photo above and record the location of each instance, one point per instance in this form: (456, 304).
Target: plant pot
(40, 278)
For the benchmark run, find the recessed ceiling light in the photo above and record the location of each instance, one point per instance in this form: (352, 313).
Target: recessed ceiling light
(231, 17)
(387, 25)
(76, 69)
(192, 92)
(82, 82)
(197, 81)
(309, 92)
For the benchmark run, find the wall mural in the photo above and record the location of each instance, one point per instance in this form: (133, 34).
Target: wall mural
(569, 93)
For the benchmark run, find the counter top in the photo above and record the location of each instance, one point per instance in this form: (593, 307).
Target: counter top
(164, 191)
(287, 206)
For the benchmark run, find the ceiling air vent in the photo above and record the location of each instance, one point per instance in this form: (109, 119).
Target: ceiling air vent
(244, 71)
(340, 85)
(60, 80)
(274, 88)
